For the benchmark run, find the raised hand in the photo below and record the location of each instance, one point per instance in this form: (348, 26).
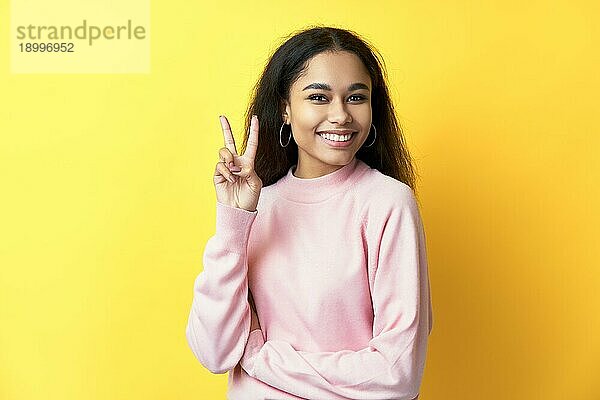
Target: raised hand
(236, 182)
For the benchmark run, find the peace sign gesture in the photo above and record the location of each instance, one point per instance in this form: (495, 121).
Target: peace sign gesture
(236, 182)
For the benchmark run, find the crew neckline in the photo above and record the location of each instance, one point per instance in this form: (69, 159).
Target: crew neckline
(314, 190)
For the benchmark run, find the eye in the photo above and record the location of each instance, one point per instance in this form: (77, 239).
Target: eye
(316, 97)
(359, 97)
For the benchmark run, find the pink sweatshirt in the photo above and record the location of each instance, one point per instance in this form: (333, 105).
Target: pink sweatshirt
(337, 267)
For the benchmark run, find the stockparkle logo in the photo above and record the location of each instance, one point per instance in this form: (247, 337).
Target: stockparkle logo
(61, 37)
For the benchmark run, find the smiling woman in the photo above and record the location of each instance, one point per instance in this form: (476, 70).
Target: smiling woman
(330, 117)
(288, 314)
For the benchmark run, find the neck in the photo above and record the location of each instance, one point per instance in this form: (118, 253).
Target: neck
(307, 170)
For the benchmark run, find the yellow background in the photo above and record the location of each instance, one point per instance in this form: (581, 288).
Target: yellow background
(107, 198)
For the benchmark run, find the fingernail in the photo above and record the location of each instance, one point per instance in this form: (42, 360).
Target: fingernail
(235, 169)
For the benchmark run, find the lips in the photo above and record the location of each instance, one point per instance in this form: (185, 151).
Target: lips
(336, 132)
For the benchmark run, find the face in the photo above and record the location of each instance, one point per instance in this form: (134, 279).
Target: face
(333, 94)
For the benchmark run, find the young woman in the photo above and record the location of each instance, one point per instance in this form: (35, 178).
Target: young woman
(315, 284)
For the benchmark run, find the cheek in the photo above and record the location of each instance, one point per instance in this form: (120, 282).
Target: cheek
(364, 117)
(364, 112)
(308, 119)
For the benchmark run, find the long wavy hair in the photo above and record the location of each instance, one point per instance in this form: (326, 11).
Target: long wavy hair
(388, 154)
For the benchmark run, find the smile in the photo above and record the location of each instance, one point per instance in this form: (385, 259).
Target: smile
(335, 140)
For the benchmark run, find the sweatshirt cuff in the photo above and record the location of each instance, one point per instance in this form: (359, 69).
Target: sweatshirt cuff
(233, 226)
(255, 343)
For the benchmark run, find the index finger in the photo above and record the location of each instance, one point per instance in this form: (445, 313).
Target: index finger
(228, 135)
(252, 138)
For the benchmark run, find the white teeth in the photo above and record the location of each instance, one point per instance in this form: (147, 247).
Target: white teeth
(336, 138)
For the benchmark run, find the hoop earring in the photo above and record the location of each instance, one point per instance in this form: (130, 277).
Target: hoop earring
(375, 129)
(290, 138)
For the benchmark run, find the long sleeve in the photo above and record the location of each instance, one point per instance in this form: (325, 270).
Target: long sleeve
(219, 320)
(392, 365)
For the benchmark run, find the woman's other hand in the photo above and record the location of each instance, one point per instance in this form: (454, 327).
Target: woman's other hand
(254, 324)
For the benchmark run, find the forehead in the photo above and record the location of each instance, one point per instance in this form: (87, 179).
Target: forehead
(339, 70)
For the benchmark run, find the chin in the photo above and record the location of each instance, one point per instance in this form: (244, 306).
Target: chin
(339, 160)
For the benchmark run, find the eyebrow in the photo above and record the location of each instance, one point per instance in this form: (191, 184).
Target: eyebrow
(324, 86)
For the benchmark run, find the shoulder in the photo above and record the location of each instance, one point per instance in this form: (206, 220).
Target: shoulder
(391, 209)
(384, 194)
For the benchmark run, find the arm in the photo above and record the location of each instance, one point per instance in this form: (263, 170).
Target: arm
(219, 320)
(391, 366)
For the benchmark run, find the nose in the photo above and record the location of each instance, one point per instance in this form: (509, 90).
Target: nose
(338, 113)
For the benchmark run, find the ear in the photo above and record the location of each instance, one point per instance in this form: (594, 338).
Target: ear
(286, 113)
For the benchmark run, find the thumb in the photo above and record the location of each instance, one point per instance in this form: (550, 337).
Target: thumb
(253, 180)
(246, 173)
